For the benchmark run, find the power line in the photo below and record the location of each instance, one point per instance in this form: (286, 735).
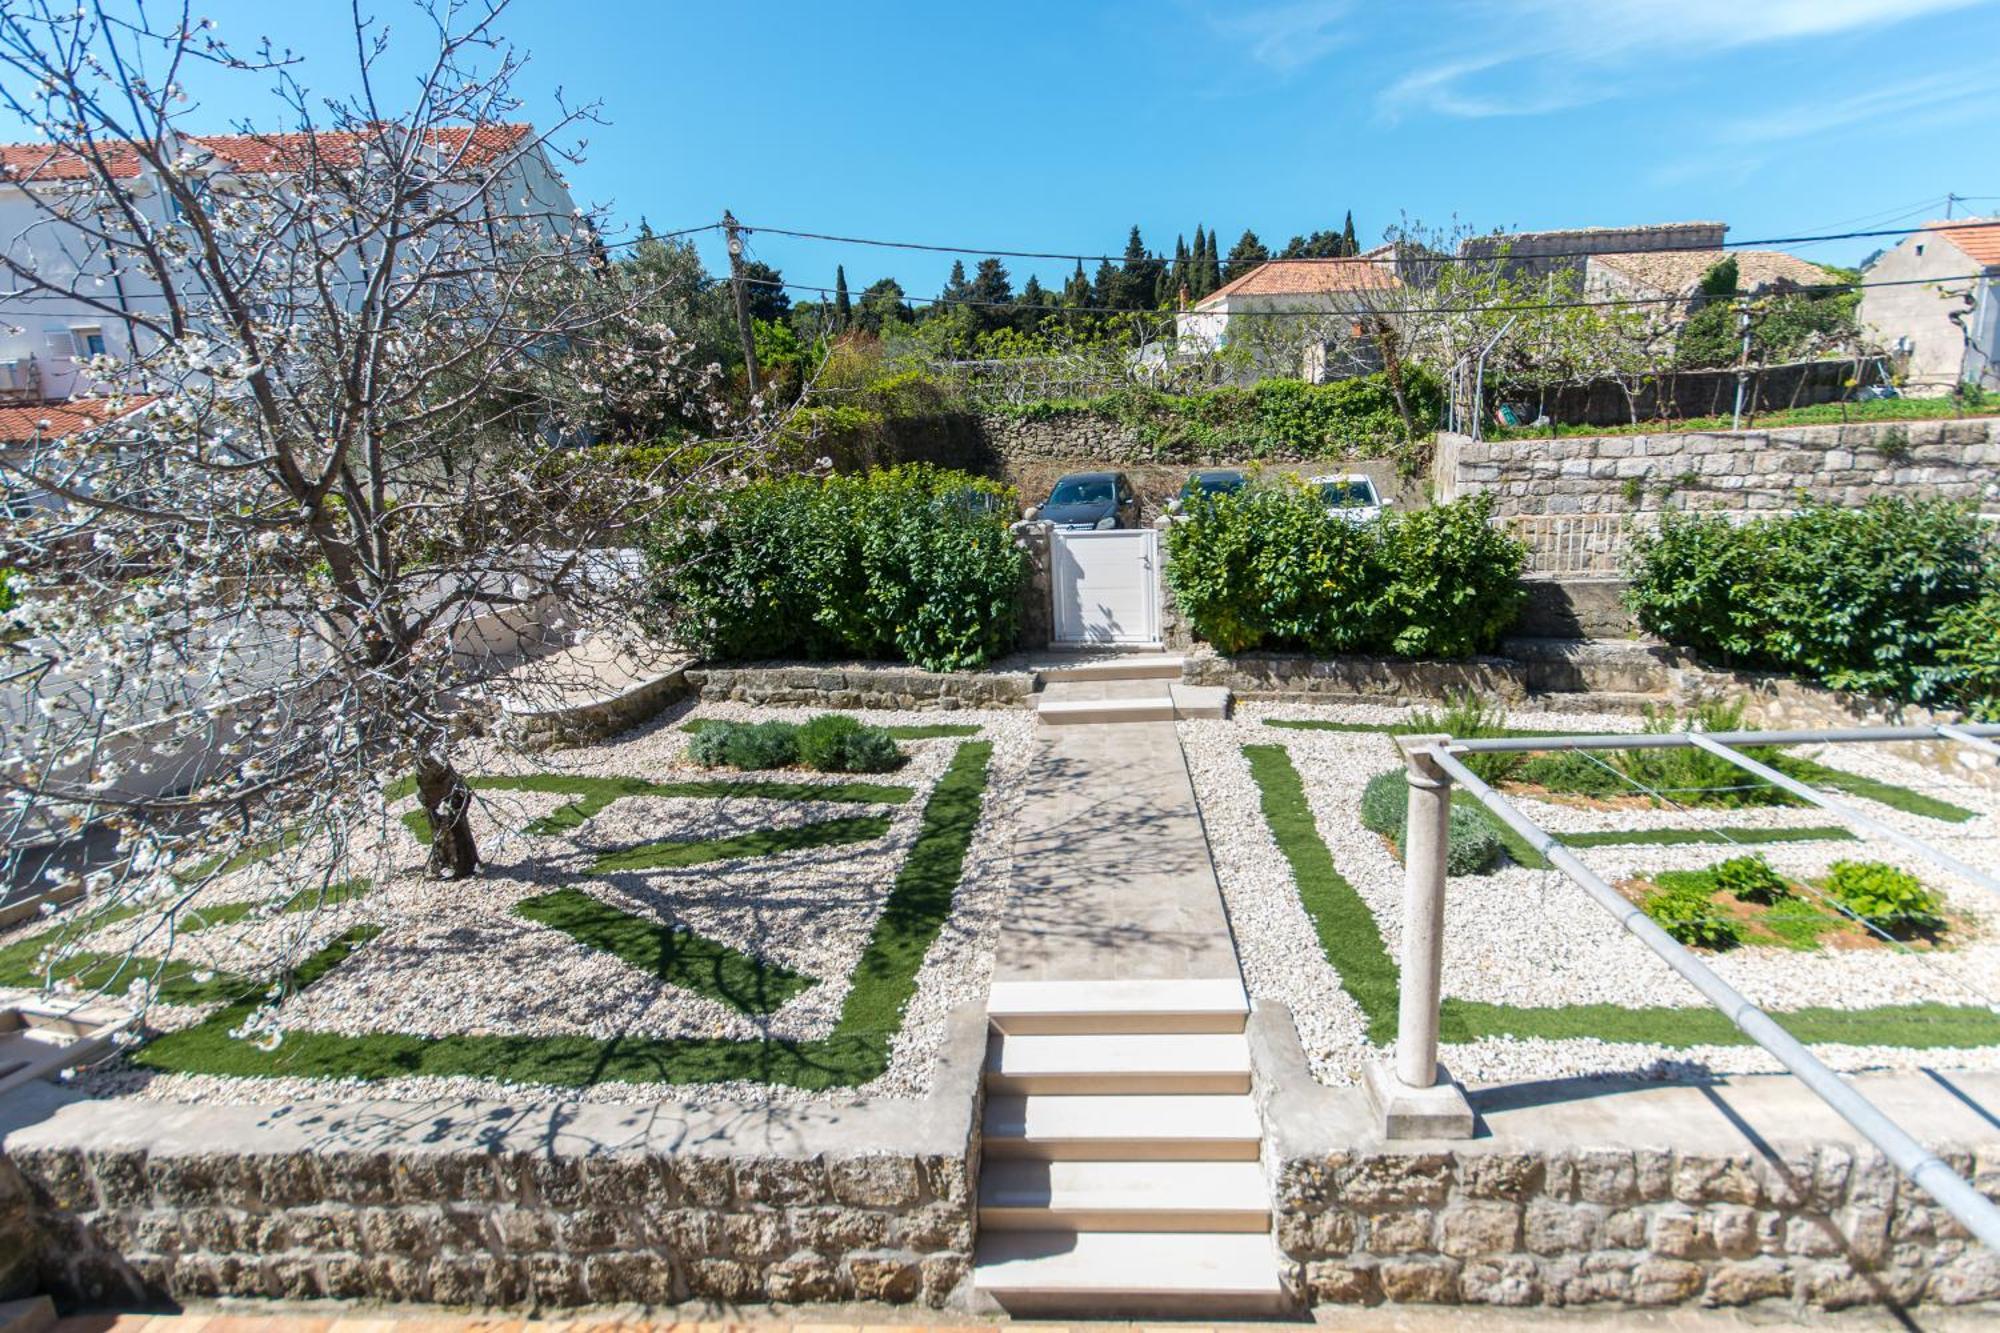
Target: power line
(1424, 257)
(1818, 288)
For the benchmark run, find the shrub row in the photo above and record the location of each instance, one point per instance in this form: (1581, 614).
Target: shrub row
(908, 564)
(829, 743)
(1899, 598)
(1268, 567)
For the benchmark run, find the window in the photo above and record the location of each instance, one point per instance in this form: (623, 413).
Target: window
(1920, 247)
(60, 344)
(88, 339)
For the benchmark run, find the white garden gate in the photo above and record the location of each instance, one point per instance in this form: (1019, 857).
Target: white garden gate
(1106, 586)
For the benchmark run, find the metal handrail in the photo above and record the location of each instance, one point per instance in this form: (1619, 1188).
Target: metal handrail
(1655, 740)
(1923, 1167)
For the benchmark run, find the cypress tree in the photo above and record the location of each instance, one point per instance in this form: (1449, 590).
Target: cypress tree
(1347, 242)
(843, 308)
(1211, 268)
(1076, 292)
(1246, 254)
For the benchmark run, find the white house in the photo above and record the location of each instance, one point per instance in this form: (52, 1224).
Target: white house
(45, 334)
(1287, 312)
(1931, 300)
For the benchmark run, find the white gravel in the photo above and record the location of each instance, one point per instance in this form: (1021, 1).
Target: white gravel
(1532, 938)
(453, 958)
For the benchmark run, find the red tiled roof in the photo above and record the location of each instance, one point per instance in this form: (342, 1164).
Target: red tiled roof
(52, 421)
(1305, 277)
(1981, 244)
(1679, 272)
(252, 152)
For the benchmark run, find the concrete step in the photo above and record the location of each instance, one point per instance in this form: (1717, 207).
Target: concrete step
(1096, 1128)
(1133, 666)
(1025, 1195)
(1125, 1273)
(1028, 1008)
(1088, 1063)
(1199, 701)
(1082, 712)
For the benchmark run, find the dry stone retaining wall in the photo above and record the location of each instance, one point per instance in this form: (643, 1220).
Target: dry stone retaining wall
(1743, 470)
(860, 685)
(467, 1203)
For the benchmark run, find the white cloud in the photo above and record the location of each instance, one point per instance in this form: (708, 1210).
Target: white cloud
(1288, 37)
(1912, 103)
(1545, 55)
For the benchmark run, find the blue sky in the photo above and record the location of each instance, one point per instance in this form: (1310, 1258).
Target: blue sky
(1054, 126)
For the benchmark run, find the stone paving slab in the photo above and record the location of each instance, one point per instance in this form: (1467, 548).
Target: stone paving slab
(1113, 875)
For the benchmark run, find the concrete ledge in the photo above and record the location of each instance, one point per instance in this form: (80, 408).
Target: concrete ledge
(860, 685)
(1733, 1192)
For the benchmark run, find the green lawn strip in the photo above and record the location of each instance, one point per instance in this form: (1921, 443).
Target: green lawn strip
(657, 948)
(924, 731)
(857, 1051)
(761, 842)
(593, 794)
(223, 914)
(1805, 770)
(1353, 944)
(114, 972)
(1677, 837)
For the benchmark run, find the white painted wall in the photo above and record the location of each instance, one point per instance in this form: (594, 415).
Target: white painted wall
(1919, 310)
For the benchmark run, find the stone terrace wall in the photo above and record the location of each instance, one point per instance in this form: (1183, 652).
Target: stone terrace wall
(466, 1203)
(1609, 1198)
(1746, 470)
(860, 685)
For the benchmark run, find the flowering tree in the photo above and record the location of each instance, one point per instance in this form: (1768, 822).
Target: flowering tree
(353, 462)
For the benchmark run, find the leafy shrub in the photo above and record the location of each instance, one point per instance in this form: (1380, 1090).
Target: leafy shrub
(1269, 568)
(871, 750)
(891, 564)
(1969, 649)
(1751, 880)
(9, 599)
(1472, 847)
(823, 741)
(709, 747)
(762, 745)
(1889, 899)
(1861, 599)
(1689, 914)
(1687, 775)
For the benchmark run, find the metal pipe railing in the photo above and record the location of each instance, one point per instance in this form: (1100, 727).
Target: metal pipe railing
(1806, 792)
(1969, 732)
(1923, 1167)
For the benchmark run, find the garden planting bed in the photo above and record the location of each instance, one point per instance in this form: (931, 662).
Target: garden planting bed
(645, 929)
(1538, 981)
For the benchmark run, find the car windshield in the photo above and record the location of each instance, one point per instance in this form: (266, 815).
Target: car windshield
(1081, 491)
(1346, 494)
(1213, 483)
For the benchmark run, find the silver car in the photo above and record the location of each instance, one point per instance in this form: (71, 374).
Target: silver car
(1350, 497)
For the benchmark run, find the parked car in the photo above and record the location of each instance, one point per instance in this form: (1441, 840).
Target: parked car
(1351, 498)
(1084, 500)
(1214, 481)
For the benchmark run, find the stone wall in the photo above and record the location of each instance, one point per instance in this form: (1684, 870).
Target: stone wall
(1616, 1195)
(1723, 470)
(860, 685)
(1616, 673)
(542, 1205)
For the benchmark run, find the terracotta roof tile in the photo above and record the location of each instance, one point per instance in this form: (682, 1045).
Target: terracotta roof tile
(1305, 277)
(1981, 244)
(52, 421)
(251, 152)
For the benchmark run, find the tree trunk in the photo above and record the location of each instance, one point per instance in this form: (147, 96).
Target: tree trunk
(1392, 370)
(447, 804)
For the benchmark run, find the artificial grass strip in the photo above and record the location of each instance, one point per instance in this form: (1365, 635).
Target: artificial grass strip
(680, 957)
(858, 1049)
(1872, 789)
(1404, 728)
(1353, 945)
(924, 731)
(1678, 837)
(761, 842)
(594, 794)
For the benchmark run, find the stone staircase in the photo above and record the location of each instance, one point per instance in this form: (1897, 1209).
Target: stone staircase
(1136, 687)
(1120, 1172)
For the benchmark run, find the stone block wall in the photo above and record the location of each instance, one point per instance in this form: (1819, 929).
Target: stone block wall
(860, 685)
(533, 1205)
(1752, 470)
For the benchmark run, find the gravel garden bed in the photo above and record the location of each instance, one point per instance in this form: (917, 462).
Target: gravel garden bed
(1539, 981)
(644, 929)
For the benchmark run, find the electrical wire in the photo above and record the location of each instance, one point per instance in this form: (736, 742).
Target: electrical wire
(1426, 258)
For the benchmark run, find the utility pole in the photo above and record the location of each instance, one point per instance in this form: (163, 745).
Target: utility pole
(1742, 360)
(1949, 200)
(733, 231)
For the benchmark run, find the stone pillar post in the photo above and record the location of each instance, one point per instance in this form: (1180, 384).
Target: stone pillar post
(1415, 1097)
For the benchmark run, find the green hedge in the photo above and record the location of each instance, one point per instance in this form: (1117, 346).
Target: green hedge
(1269, 568)
(1273, 418)
(1898, 598)
(911, 563)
